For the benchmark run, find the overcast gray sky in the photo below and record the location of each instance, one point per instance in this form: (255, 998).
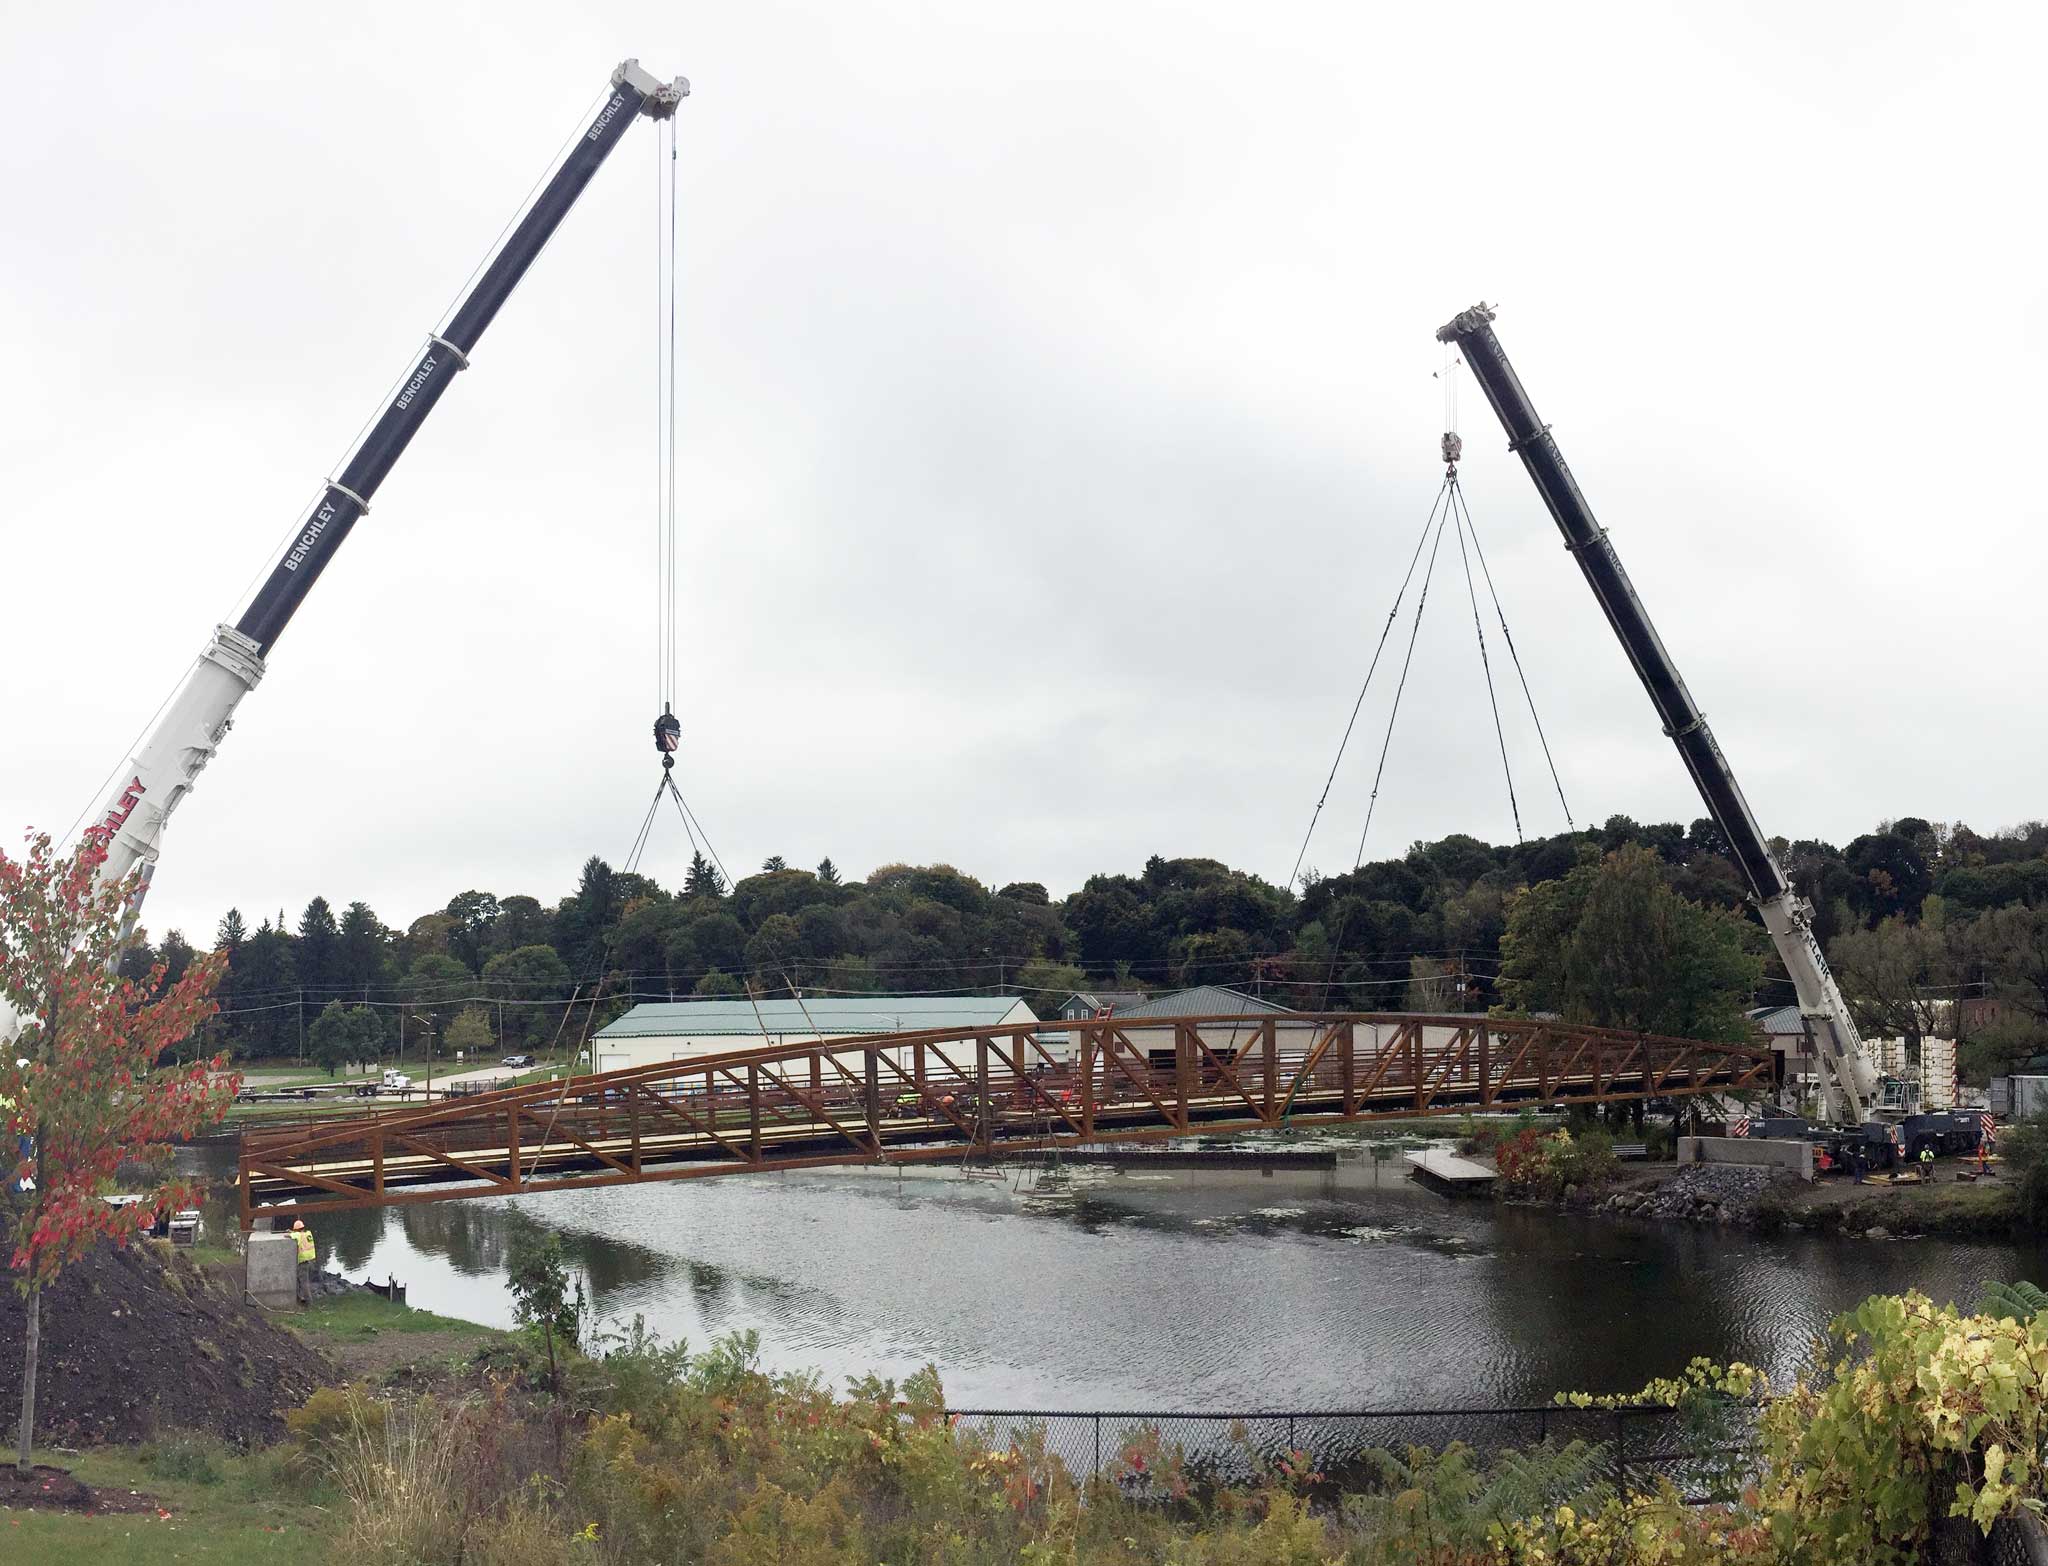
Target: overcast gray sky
(1057, 417)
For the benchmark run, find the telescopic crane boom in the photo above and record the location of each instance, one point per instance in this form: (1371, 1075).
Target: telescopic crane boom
(178, 746)
(1849, 1076)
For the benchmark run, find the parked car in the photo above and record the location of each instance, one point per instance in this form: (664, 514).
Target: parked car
(523, 1062)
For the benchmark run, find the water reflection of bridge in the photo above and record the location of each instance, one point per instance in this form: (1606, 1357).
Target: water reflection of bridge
(945, 1094)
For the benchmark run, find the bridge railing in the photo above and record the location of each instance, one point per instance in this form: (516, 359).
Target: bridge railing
(941, 1093)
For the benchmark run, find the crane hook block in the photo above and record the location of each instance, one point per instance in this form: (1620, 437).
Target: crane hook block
(1453, 447)
(668, 733)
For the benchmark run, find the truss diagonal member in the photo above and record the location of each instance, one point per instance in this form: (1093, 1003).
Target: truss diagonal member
(1396, 1044)
(667, 1104)
(1307, 1070)
(1226, 1070)
(437, 1155)
(817, 1108)
(548, 1135)
(288, 1176)
(1118, 1038)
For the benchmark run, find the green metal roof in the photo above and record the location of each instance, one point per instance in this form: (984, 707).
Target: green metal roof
(1204, 1000)
(828, 1014)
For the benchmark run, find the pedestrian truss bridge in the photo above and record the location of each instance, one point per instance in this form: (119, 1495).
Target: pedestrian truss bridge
(919, 1097)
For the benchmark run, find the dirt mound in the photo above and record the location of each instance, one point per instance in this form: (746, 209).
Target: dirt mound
(135, 1341)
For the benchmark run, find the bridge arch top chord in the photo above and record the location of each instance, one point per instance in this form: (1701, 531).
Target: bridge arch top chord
(942, 1093)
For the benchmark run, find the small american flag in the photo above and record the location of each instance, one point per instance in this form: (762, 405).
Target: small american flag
(1990, 1128)
(1739, 1126)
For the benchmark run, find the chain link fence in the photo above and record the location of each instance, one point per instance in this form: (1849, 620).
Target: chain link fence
(1705, 1454)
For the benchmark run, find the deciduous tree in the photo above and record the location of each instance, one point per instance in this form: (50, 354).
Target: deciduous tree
(344, 1035)
(470, 1034)
(80, 1089)
(528, 982)
(1611, 944)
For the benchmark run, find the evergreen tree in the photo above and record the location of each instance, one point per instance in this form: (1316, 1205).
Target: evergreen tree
(828, 872)
(703, 879)
(231, 932)
(318, 955)
(266, 1021)
(365, 951)
(585, 916)
(176, 955)
(773, 863)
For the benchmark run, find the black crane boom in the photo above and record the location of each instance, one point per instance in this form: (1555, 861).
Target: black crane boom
(347, 495)
(1530, 439)
(1848, 1072)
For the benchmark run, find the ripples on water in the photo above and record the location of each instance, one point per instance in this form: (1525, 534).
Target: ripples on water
(1188, 1289)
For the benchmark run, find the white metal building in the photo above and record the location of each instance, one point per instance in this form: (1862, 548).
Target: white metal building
(657, 1031)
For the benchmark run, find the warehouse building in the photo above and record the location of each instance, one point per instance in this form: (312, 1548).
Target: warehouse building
(658, 1031)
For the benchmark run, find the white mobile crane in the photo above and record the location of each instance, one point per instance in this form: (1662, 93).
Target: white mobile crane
(183, 740)
(1851, 1087)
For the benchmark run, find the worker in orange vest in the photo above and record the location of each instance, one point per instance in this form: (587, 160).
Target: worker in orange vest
(308, 1251)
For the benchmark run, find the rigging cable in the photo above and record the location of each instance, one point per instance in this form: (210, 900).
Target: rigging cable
(1392, 614)
(1520, 674)
(1387, 740)
(1485, 664)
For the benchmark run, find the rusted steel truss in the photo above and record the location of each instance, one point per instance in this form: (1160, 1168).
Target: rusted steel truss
(940, 1094)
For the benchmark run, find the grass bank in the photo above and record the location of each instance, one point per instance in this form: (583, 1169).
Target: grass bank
(225, 1508)
(1988, 1208)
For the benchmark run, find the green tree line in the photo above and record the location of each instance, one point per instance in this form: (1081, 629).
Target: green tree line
(1632, 924)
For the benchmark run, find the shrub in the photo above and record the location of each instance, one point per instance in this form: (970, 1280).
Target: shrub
(1545, 1166)
(329, 1425)
(1924, 1414)
(184, 1455)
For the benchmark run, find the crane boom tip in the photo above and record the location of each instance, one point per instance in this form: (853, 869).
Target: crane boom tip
(1465, 322)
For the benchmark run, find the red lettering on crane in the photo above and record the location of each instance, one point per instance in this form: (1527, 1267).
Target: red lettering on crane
(131, 796)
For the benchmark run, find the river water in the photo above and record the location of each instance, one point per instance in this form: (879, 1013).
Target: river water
(1180, 1290)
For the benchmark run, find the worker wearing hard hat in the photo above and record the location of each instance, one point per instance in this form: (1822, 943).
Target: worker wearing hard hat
(307, 1252)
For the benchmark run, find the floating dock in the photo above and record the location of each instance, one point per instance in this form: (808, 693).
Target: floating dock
(1447, 1172)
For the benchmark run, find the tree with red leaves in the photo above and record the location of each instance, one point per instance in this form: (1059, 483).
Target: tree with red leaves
(81, 1091)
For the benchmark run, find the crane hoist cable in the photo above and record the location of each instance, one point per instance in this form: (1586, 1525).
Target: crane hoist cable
(668, 729)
